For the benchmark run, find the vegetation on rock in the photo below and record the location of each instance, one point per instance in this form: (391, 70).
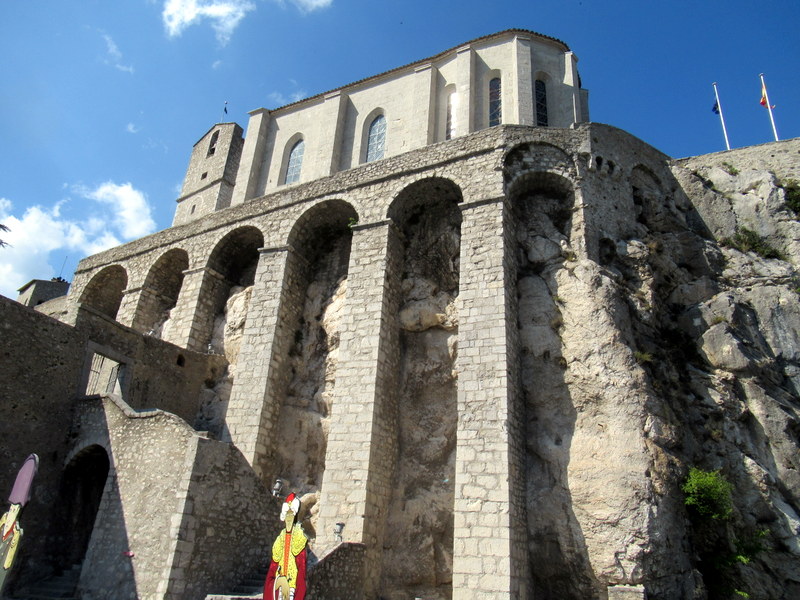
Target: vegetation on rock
(708, 493)
(791, 188)
(747, 240)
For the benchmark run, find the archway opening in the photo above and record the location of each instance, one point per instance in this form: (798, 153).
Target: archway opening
(81, 490)
(418, 545)
(104, 291)
(317, 270)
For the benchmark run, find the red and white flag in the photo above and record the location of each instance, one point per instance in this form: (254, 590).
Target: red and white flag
(764, 100)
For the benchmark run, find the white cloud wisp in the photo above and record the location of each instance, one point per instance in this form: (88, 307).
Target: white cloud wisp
(225, 15)
(114, 56)
(41, 237)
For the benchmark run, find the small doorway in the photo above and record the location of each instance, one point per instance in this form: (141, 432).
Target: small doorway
(81, 491)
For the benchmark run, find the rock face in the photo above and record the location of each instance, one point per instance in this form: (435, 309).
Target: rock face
(417, 557)
(707, 334)
(676, 348)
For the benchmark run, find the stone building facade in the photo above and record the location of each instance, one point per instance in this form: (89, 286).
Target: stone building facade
(429, 303)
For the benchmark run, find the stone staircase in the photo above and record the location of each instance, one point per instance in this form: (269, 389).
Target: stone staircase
(251, 588)
(57, 587)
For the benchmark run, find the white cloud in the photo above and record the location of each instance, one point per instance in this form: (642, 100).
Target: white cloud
(280, 99)
(224, 15)
(131, 128)
(216, 64)
(114, 56)
(129, 208)
(42, 237)
(309, 5)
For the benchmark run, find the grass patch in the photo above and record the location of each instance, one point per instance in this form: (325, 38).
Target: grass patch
(747, 240)
(642, 357)
(730, 169)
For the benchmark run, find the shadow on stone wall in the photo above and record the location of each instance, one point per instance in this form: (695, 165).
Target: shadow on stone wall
(339, 575)
(558, 557)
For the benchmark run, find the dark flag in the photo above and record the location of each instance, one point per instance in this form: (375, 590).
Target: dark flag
(715, 108)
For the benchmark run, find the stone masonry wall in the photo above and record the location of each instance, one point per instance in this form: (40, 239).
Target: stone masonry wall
(612, 333)
(40, 368)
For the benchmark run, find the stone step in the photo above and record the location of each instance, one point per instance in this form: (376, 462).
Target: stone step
(57, 587)
(250, 588)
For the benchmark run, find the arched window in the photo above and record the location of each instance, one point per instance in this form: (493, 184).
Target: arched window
(450, 121)
(212, 146)
(495, 105)
(295, 162)
(541, 103)
(376, 142)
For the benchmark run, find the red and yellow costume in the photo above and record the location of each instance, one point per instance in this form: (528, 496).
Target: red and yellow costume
(288, 561)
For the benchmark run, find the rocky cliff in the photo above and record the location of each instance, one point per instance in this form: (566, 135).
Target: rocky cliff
(678, 349)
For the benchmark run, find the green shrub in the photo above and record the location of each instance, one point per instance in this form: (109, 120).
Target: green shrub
(747, 240)
(709, 494)
(791, 187)
(730, 169)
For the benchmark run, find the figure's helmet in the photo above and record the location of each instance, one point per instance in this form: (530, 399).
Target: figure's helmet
(292, 503)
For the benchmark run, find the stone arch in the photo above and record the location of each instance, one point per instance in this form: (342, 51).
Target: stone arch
(535, 157)
(311, 302)
(542, 207)
(418, 546)
(231, 272)
(104, 291)
(160, 292)
(83, 482)
(220, 318)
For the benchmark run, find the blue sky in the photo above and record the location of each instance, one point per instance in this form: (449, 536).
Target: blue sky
(101, 100)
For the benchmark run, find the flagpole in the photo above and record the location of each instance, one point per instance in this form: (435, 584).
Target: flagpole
(721, 118)
(769, 106)
(224, 112)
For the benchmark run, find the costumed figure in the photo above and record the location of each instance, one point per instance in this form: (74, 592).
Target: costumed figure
(10, 531)
(286, 578)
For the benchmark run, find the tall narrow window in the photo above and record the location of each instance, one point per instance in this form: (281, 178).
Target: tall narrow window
(212, 146)
(495, 106)
(376, 142)
(450, 121)
(295, 162)
(541, 103)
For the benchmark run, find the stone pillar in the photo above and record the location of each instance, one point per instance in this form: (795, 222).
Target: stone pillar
(144, 303)
(572, 80)
(192, 318)
(362, 439)
(128, 306)
(523, 105)
(489, 553)
(331, 127)
(252, 157)
(260, 380)
(465, 87)
(425, 101)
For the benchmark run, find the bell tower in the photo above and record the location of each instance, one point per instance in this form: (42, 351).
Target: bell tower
(211, 175)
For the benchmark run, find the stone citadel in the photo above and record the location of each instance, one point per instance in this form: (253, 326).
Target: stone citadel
(483, 338)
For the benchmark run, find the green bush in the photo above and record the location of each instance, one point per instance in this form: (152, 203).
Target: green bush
(709, 494)
(792, 189)
(747, 240)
